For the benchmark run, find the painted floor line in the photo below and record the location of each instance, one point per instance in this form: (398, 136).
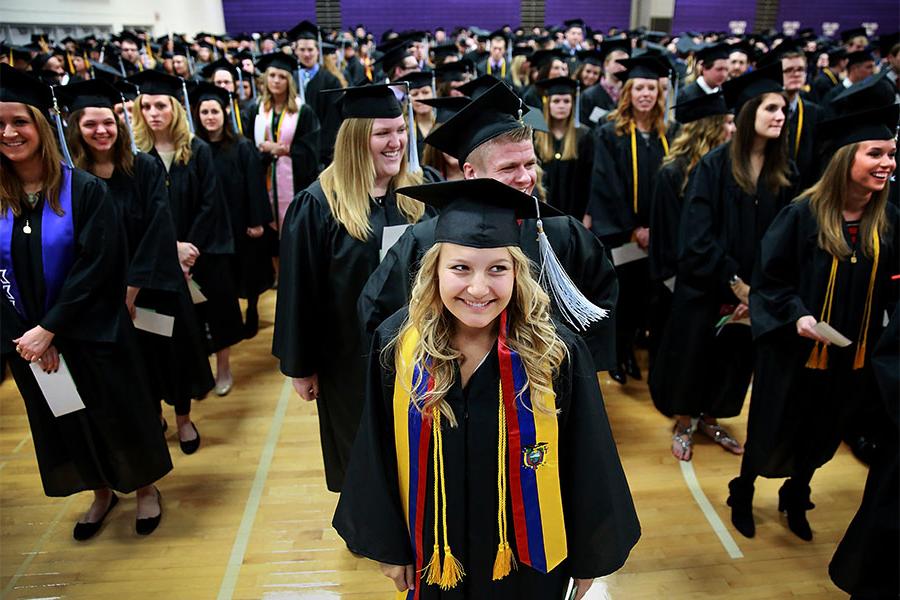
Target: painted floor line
(233, 569)
(690, 478)
(38, 546)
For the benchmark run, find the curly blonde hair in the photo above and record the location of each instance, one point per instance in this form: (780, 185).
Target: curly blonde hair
(178, 130)
(694, 140)
(623, 115)
(531, 334)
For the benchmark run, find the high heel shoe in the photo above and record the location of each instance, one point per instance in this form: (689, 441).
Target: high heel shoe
(251, 323)
(190, 446)
(148, 525)
(618, 375)
(793, 500)
(740, 499)
(85, 531)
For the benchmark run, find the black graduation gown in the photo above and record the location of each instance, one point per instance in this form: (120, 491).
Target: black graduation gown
(328, 114)
(323, 271)
(807, 156)
(355, 71)
(241, 175)
(823, 84)
(696, 370)
(177, 366)
(797, 414)
(601, 523)
(580, 253)
(595, 97)
(665, 216)
(116, 441)
(690, 92)
(866, 559)
(567, 181)
(201, 218)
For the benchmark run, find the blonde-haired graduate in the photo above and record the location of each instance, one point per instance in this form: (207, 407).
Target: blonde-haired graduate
(484, 466)
(330, 245)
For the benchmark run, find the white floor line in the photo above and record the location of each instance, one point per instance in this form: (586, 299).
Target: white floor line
(232, 570)
(38, 546)
(690, 478)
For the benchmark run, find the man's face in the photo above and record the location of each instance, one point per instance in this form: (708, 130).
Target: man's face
(794, 70)
(860, 71)
(737, 64)
(716, 74)
(409, 65)
(307, 53)
(574, 36)
(512, 163)
(612, 66)
(498, 49)
(129, 52)
(267, 46)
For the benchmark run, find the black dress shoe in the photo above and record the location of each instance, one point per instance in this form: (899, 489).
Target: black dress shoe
(85, 531)
(864, 449)
(148, 525)
(740, 499)
(793, 499)
(618, 375)
(190, 446)
(632, 368)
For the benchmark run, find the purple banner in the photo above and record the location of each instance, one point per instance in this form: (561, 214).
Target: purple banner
(713, 15)
(598, 15)
(830, 17)
(273, 15)
(381, 15)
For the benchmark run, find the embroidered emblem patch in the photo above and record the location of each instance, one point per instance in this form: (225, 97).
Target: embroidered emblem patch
(535, 456)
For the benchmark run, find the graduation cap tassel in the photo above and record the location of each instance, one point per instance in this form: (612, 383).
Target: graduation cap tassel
(321, 56)
(187, 105)
(122, 67)
(253, 85)
(240, 83)
(667, 100)
(577, 108)
(134, 148)
(577, 310)
(60, 132)
(413, 150)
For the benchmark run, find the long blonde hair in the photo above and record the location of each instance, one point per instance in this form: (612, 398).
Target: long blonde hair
(531, 334)
(179, 130)
(266, 98)
(543, 141)
(11, 188)
(329, 61)
(348, 180)
(826, 200)
(623, 115)
(694, 140)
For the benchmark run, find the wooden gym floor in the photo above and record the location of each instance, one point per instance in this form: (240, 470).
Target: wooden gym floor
(248, 516)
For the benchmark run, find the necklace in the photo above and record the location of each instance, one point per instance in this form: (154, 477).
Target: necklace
(32, 199)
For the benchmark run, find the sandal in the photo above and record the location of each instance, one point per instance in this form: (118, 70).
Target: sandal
(720, 435)
(683, 441)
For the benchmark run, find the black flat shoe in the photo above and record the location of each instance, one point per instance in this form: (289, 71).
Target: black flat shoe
(148, 525)
(251, 324)
(793, 500)
(85, 531)
(190, 446)
(740, 499)
(618, 375)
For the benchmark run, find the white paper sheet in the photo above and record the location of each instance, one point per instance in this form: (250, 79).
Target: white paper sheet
(831, 334)
(670, 283)
(389, 237)
(627, 253)
(58, 388)
(597, 114)
(197, 296)
(152, 321)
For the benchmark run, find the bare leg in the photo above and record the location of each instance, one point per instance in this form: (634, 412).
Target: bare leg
(102, 498)
(147, 502)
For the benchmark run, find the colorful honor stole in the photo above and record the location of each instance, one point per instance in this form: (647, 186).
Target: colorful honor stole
(528, 450)
(57, 243)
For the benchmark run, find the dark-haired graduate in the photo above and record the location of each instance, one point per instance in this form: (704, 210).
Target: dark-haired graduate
(703, 366)
(828, 258)
(64, 261)
(626, 153)
(330, 245)
(163, 128)
(484, 466)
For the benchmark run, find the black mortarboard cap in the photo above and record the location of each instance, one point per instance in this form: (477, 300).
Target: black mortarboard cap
(867, 94)
(220, 65)
(18, 52)
(686, 44)
(16, 86)
(557, 85)
(862, 126)
(447, 106)
(860, 56)
(764, 80)
(328, 49)
(367, 102)
(442, 51)
(204, 90)
(607, 46)
(522, 50)
(849, 34)
(92, 93)
(277, 60)
(477, 86)
(837, 53)
(591, 57)
(788, 46)
(128, 90)
(493, 113)
(707, 105)
(570, 23)
(477, 213)
(304, 30)
(131, 37)
(154, 82)
(416, 79)
(454, 71)
(541, 57)
(393, 57)
(713, 52)
(645, 67)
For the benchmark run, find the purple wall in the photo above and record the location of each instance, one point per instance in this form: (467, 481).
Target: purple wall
(830, 16)
(598, 14)
(712, 15)
(271, 15)
(379, 15)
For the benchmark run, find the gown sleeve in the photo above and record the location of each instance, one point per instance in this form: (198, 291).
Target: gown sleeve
(100, 255)
(305, 148)
(601, 523)
(154, 263)
(583, 174)
(774, 296)
(607, 188)
(665, 214)
(210, 230)
(369, 516)
(258, 210)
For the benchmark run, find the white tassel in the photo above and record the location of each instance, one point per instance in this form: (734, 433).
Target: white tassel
(60, 131)
(413, 166)
(134, 148)
(574, 306)
(187, 105)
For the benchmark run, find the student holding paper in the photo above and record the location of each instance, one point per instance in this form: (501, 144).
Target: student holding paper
(174, 359)
(330, 244)
(733, 195)
(63, 266)
(827, 258)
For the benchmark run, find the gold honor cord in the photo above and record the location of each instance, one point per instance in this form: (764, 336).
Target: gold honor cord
(799, 126)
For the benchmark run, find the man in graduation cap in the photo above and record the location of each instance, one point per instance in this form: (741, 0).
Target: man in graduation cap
(860, 65)
(739, 59)
(855, 39)
(829, 77)
(131, 60)
(713, 61)
(489, 139)
(574, 36)
(314, 79)
(495, 63)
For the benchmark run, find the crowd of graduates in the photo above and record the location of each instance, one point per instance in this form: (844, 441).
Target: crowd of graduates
(449, 213)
